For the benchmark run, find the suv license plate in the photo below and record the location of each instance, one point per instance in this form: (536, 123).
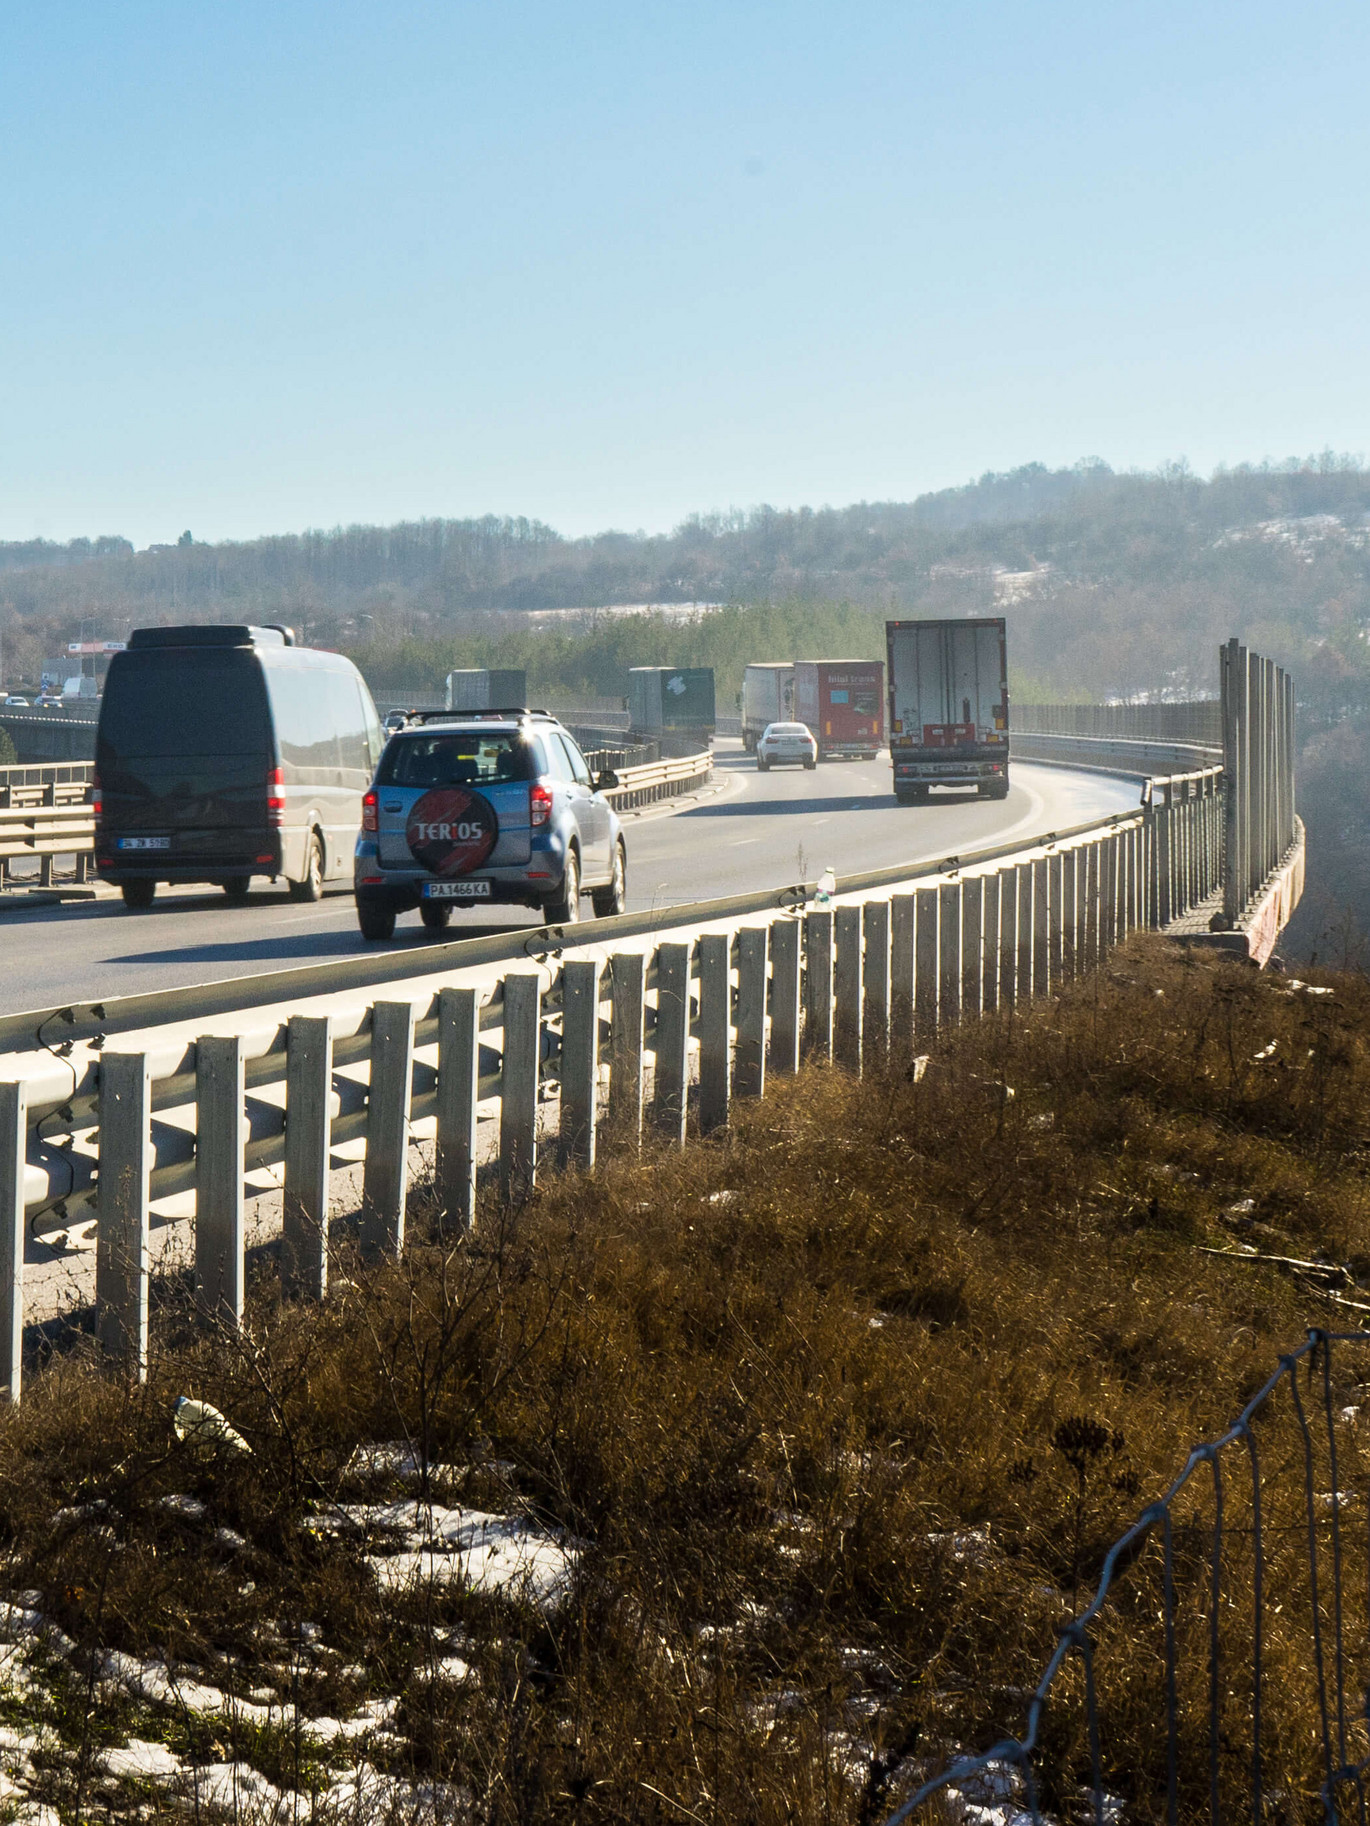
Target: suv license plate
(145, 843)
(456, 890)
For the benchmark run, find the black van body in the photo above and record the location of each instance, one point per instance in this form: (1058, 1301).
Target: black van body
(227, 752)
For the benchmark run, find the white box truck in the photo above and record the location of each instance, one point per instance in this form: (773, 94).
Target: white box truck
(767, 697)
(948, 685)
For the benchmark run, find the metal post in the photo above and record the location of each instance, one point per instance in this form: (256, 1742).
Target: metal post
(1041, 926)
(579, 1063)
(1025, 895)
(627, 1018)
(1228, 666)
(308, 1111)
(13, 1155)
(220, 1138)
(458, 1094)
(785, 982)
(847, 987)
(1056, 915)
(875, 1000)
(671, 1078)
(818, 984)
(972, 941)
(1164, 817)
(928, 968)
(1008, 935)
(749, 1058)
(903, 925)
(519, 1081)
(715, 1029)
(949, 955)
(385, 1175)
(121, 1255)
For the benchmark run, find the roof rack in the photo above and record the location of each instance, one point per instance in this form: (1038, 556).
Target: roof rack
(473, 716)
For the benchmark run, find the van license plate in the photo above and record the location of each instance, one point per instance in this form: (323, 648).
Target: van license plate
(145, 843)
(456, 890)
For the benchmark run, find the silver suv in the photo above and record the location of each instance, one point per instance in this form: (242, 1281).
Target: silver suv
(493, 807)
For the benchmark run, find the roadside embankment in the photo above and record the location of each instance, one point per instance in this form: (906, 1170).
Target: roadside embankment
(739, 1483)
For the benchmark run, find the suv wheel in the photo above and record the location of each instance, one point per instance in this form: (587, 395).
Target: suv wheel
(376, 919)
(310, 885)
(564, 909)
(138, 894)
(613, 900)
(435, 914)
(237, 888)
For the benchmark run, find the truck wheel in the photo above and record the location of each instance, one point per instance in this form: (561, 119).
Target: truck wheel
(376, 919)
(138, 894)
(997, 789)
(911, 795)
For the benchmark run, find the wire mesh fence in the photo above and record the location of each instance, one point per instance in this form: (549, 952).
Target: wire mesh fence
(1219, 1672)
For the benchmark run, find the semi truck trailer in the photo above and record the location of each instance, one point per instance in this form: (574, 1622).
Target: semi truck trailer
(478, 688)
(948, 706)
(767, 697)
(841, 700)
(672, 701)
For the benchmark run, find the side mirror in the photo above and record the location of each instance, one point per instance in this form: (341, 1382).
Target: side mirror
(605, 780)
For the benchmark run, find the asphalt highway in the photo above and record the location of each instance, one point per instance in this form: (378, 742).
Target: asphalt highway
(758, 830)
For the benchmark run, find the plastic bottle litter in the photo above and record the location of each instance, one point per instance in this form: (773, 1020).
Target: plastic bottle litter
(199, 1424)
(827, 887)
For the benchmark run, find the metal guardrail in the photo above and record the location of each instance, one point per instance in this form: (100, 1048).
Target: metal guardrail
(675, 1026)
(1258, 756)
(45, 820)
(1140, 759)
(1199, 721)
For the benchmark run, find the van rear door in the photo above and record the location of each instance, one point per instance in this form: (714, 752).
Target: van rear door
(182, 751)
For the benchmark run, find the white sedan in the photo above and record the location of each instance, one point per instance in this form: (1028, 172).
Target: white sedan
(786, 743)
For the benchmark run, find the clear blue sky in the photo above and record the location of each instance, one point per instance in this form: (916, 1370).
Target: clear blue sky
(268, 266)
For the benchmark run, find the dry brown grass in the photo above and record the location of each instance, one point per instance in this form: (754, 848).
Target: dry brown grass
(845, 1406)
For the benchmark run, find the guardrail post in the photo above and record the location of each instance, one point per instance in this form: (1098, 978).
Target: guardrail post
(818, 984)
(989, 942)
(519, 1080)
(627, 1016)
(1056, 914)
(670, 1085)
(875, 1011)
(972, 945)
(308, 1113)
(715, 1029)
(13, 1153)
(928, 969)
(121, 1254)
(749, 1059)
(949, 955)
(1163, 825)
(903, 927)
(1041, 926)
(220, 1137)
(579, 1063)
(457, 1095)
(385, 1176)
(847, 987)
(785, 984)
(1108, 895)
(1008, 934)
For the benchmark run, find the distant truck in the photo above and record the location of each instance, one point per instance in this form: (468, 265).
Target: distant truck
(948, 706)
(478, 688)
(672, 701)
(767, 697)
(842, 701)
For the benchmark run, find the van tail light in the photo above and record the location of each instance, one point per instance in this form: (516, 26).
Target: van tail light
(370, 805)
(97, 798)
(539, 806)
(275, 797)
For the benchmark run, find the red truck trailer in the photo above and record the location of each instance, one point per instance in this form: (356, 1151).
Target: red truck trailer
(843, 703)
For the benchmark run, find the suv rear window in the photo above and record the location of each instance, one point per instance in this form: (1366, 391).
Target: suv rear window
(477, 758)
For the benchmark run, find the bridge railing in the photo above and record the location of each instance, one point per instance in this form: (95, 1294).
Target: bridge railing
(603, 1030)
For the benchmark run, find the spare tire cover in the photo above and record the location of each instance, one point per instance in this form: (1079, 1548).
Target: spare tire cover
(451, 830)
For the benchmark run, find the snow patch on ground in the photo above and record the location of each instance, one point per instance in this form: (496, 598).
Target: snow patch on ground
(424, 1544)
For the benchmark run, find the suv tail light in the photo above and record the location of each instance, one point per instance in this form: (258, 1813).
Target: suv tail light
(275, 797)
(370, 803)
(97, 798)
(539, 805)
